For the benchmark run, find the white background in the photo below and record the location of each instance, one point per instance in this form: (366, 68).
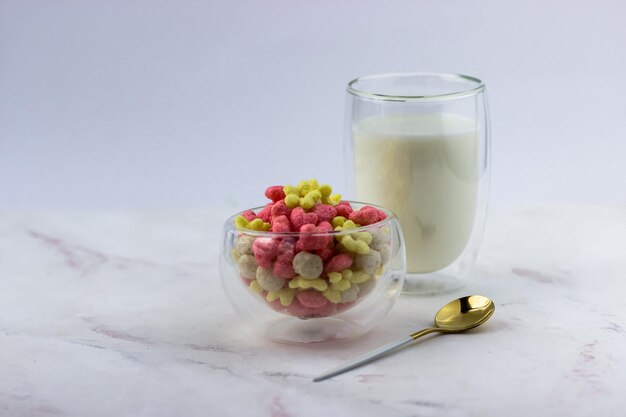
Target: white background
(204, 103)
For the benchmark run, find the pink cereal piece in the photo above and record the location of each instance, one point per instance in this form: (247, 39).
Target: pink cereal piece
(364, 216)
(309, 242)
(265, 214)
(325, 226)
(325, 253)
(380, 215)
(312, 299)
(299, 218)
(298, 310)
(280, 209)
(283, 267)
(281, 224)
(339, 263)
(343, 209)
(344, 306)
(249, 215)
(265, 250)
(325, 212)
(275, 193)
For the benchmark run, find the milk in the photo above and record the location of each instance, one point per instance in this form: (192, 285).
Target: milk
(425, 169)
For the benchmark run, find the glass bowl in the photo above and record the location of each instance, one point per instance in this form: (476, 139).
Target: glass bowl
(326, 299)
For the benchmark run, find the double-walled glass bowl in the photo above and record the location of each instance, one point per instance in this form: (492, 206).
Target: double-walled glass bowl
(316, 302)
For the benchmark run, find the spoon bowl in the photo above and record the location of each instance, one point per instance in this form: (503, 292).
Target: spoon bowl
(464, 313)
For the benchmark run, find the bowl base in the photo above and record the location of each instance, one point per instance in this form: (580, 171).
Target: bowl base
(294, 330)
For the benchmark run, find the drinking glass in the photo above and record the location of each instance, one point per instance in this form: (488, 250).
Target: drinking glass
(418, 144)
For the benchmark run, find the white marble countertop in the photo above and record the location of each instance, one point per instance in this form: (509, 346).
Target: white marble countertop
(122, 314)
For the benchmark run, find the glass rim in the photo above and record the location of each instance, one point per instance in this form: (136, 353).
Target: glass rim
(479, 87)
(391, 216)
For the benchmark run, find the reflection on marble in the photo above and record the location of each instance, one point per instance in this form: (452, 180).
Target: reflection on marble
(122, 313)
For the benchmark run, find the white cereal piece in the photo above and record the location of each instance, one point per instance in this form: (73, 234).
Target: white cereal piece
(351, 294)
(385, 254)
(308, 265)
(244, 245)
(268, 281)
(368, 263)
(247, 266)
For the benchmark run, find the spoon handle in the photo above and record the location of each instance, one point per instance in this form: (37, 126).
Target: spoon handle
(372, 356)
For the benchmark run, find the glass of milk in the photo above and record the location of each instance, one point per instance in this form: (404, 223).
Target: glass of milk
(418, 144)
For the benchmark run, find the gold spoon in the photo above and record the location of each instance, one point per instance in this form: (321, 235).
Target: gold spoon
(457, 316)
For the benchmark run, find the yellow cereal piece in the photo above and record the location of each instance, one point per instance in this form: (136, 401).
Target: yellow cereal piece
(288, 190)
(359, 277)
(334, 199)
(305, 284)
(338, 221)
(334, 277)
(292, 200)
(347, 225)
(380, 271)
(363, 237)
(342, 285)
(259, 224)
(308, 201)
(347, 274)
(333, 296)
(256, 224)
(355, 246)
(326, 190)
(314, 184)
(304, 187)
(255, 287)
(241, 222)
(272, 296)
(235, 254)
(286, 296)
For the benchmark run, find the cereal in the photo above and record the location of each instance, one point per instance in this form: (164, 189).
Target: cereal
(343, 209)
(247, 266)
(359, 277)
(304, 283)
(369, 262)
(319, 262)
(338, 263)
(255, 287)
(338, 221)
(244, 245)
(266, 213)
(385, 254)
(350, 294)
(311, 299)
(308, 265)
(249, 215)
(380, 237)
(299, 218)
(256, 224)
(364, 217)
(298, 310)
(275, 193)
(310, 239)
(265, 250)
(279, 209)
(268, 281)
(325, 212)
(281, 224)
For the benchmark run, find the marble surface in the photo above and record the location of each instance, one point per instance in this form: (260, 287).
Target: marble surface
(122, 314)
